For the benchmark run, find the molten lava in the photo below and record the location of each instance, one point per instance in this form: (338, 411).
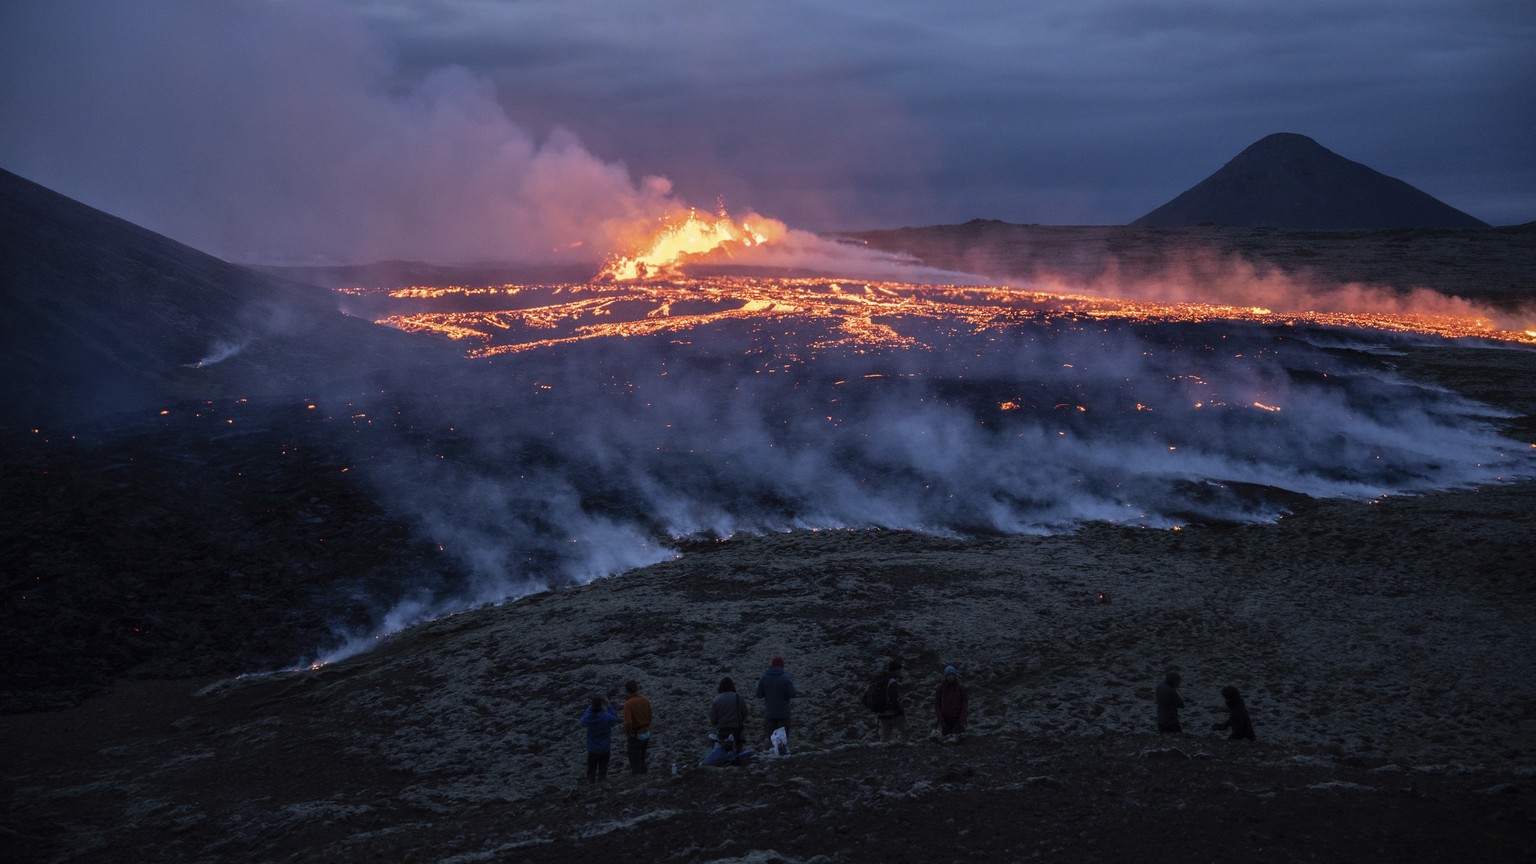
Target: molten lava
(685, 236)
(853, 314)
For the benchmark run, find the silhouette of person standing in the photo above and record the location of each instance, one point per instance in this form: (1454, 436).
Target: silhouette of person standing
(637, 726)
(951, 703)
(893, 718)
(599, 720)
(1169, 702)
(728, 715)
(775, 689)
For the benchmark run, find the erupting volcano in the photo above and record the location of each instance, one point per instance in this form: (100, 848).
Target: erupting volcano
(689, 392)
(651, 291)
(685, 235)
(684, 395)
(907, 462)
(414, 394)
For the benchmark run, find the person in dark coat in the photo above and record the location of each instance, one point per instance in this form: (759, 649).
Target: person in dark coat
(951, 703)
(775, 689)
(893, 718)
(599, 720)
(1168, 703)
(728, 714)
(1237, 715)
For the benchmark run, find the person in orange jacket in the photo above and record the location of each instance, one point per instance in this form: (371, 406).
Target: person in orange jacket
(637, 726)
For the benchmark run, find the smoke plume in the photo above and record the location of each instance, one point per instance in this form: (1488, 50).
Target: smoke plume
(274, 132)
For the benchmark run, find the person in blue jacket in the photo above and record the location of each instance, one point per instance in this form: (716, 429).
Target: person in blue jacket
(724, 753)
(599, 720)
(775, 689)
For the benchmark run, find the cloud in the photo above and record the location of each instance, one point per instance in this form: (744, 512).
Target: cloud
(836, 116)
(354, 130)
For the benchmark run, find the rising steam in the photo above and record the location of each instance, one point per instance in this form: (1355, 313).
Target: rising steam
(574, 463)
(221, 350)
(1204, 276)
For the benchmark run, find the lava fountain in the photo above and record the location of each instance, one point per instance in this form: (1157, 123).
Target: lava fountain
(684, 235)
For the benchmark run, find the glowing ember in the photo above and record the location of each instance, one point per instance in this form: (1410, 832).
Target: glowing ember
(685, 236)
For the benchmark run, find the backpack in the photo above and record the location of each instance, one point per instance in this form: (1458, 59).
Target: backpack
(875, 694)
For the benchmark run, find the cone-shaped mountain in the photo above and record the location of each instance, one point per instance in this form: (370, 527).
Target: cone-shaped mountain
(1287, 180)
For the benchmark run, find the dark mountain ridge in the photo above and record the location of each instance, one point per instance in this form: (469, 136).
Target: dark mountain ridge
(1287, 180)
(99, 316)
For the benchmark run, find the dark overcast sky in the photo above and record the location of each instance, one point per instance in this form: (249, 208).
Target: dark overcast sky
(348, 129)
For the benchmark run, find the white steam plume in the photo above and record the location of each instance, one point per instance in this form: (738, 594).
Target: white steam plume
(568, 465)
(1208, 277)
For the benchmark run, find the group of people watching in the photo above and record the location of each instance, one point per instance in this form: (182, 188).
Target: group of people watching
(728, 715)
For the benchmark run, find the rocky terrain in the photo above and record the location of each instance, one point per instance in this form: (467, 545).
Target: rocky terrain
(100, 317)
(1383, 650)
(216, 538)
(158, 575)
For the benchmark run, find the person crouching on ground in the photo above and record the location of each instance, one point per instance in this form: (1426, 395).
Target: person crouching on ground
(1169, 702)
(775, 689)
(951, 703)
(1237, 715)
(728, 715)
(637, 726)
(599, 720)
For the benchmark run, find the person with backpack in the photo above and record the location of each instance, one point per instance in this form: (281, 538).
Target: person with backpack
(728, 715)
(599, 720)
(884, 698)
(951, 703)
(775, 689)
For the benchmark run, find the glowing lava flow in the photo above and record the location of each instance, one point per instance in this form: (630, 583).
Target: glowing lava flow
(858, 315)
(685, 236)
(647, 293)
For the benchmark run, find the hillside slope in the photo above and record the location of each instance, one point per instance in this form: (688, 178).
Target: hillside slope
(99, 316)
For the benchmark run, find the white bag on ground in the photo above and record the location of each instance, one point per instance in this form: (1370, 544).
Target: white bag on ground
(780, 741)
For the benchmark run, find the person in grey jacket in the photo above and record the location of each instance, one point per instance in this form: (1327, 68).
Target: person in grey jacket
(728, 715)
(775, 689)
